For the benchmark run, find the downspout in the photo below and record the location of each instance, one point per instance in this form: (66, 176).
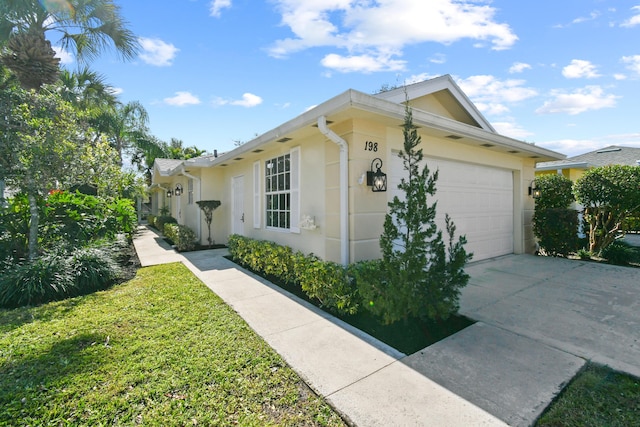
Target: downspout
(344, 187)
(195, 178)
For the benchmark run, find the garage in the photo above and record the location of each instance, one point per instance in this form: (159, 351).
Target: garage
(478, 198)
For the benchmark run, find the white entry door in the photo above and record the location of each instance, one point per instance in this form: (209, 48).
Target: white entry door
(237, 211)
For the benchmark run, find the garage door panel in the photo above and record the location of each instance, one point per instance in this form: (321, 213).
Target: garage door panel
(479, 199)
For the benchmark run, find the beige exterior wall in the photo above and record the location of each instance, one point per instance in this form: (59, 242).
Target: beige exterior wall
(320, 189)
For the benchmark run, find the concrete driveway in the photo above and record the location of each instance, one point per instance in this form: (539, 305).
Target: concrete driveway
(539, 320)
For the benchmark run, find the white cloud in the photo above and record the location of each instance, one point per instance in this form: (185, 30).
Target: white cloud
(181, 99)
(633, 63)
(573, 147)
(157, 52)
(361, 63)
(438, 58)
(491, 94)
(634, 20)
(586, 99)
(620, 76)
(580, 68)
(511, 130)
(248, 100)
(519, 67)
(217, 6)
(65, 56)
(370, 30)
(593, 15)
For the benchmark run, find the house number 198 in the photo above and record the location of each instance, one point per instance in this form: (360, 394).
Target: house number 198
(371, 146)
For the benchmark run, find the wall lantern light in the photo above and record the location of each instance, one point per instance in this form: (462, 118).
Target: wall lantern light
(534, 191)
(169, 193)
(377, 180)
(178, 190)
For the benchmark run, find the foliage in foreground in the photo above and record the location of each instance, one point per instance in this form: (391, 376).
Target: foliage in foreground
(158, 350)
(598, 396)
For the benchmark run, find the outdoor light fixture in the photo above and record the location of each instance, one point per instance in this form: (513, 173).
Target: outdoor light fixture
(377, 180)
(169, 194)
(178, 190)
(533, 190)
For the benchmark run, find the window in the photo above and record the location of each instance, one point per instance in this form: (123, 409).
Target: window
(281, 190)
(190, 191)
(278, 192)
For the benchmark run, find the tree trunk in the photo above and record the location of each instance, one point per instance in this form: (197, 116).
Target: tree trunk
(33, 226)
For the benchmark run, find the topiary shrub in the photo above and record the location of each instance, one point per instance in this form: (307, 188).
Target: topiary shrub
(151, 220)
(620, 253)
(554, 224)
(182, 236)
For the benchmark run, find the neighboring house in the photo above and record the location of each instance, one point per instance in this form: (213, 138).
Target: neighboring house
(304, 183)
(574, 167)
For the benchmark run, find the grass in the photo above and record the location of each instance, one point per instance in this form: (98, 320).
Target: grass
(160, 349)
(598, 396)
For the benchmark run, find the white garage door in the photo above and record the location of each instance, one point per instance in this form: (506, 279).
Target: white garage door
(479, 199)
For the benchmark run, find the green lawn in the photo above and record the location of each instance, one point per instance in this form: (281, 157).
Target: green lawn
(160, 349)
(596, 397)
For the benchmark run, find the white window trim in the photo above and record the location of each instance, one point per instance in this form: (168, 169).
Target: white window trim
(294, 194)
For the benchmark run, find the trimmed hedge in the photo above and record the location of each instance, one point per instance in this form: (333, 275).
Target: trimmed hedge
(151, 220)
(161, 220)
(328, 283)
(182, 236)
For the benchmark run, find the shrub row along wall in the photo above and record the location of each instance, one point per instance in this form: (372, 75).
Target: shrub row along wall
(329, 283)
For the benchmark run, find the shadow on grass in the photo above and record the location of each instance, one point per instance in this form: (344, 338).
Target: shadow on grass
(11, 319)
(25, 382)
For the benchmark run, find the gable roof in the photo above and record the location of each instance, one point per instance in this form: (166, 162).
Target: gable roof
(389, 108)
(165, 167)
(448, 92)
(612, 155)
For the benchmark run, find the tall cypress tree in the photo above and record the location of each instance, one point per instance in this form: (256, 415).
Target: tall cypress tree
(419, 275)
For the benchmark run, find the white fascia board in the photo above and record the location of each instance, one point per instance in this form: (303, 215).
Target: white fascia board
(375, 104)
(568, 165)
(427, 87)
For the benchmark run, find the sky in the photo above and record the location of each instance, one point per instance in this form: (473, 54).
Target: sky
(564, 75)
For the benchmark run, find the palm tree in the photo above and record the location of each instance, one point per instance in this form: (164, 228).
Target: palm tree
(125, 126)
(86, 27)
(87, 90)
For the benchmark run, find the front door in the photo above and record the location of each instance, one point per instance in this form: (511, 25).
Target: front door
(237, 212)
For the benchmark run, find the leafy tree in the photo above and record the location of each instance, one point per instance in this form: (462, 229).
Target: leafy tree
(609, 195)
(554, 223)
(39, 146)
(419, 275)
(87, 90)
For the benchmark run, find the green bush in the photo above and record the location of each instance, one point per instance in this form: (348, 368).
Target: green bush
(182, 236)
(151, 220)
(620, 253)
(93, 269)
(47, 278)
(161, 220)
(58, 275)
(557, 230)
(328, 283)
(554, 224)
(322, 281)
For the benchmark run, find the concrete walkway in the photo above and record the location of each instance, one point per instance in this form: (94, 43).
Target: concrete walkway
(539, 320)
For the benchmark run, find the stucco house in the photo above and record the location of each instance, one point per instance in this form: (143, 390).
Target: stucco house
(574, 167)
(307, 182)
